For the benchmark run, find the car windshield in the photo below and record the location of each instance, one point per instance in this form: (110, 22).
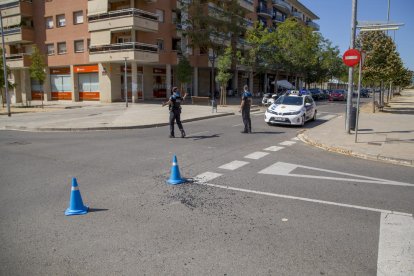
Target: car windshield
(290, 100)
(339, 91)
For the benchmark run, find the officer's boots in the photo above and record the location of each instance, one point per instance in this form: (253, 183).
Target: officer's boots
(182, 133)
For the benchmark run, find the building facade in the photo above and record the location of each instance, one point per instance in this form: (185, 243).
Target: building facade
(88, 43)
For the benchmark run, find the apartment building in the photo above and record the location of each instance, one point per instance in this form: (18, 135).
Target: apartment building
(88, 43)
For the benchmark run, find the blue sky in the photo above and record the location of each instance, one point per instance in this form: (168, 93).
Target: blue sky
(335, 21)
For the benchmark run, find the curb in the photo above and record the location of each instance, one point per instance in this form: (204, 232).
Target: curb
(396, 161)
(53, 129)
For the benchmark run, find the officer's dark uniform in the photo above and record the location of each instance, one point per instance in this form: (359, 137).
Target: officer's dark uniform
(175, 112)
(247, 98)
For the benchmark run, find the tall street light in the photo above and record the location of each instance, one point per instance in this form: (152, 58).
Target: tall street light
(125, 82)
(6, 88)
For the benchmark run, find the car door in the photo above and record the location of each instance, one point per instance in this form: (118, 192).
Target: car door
(309, 107)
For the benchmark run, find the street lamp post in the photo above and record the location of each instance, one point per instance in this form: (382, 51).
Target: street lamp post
(6, 88)
(125, 82)
(212, 59)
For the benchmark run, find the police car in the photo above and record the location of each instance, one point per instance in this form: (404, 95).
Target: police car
(293, 108)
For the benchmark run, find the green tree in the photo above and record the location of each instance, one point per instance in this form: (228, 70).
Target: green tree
(224, 74)
(37, 68)
(9, 84)
(211, 25)
(297, 47)
(382, 63)
(184, 73)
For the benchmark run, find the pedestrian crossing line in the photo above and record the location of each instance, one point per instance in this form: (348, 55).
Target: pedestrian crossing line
(205, 177)
(256, 155)
(287, 143)
(327, 117)
(233, 165)
(295, 139)
(273, 148)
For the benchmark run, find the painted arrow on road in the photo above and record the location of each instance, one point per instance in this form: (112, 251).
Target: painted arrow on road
(285, 169)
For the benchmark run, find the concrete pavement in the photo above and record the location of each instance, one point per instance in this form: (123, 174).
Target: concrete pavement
(385, 136)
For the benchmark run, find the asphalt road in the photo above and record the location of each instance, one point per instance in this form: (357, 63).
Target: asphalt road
(271, 209)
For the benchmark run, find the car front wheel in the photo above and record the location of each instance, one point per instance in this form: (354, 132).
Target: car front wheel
(314, 116)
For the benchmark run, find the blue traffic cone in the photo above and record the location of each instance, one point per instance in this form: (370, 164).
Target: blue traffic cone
(175, 177)
(76, 204)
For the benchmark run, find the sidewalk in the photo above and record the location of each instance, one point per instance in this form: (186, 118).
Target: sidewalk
(385, 136)
(81, 116)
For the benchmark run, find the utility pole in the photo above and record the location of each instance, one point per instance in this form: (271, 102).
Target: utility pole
(125, 82)
(351, 69)
(6, 87)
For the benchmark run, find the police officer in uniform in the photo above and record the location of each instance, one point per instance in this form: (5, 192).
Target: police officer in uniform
(245, 109)
(174, 105)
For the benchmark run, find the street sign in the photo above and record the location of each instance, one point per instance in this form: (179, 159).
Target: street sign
(351, 57)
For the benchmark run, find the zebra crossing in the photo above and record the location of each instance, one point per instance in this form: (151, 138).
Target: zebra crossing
(396, 229)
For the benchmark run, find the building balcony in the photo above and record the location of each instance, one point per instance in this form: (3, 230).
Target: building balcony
(282, 6)
(21, 8)
(18, 35)
(298, 15)
(278, 18)
(127, 18)
(18, 61)
(140, 52)
(247, 4)
(313, 25)
(263, 11)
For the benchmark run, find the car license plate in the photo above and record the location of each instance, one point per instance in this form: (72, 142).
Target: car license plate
(279, 119)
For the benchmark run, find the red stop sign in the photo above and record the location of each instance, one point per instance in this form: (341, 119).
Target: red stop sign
(351, 57)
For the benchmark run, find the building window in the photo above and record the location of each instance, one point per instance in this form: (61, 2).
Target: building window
(60, 20)
(49, 22)
(50, 49)
(61, 46)
(78, 17)
(88, 43)
(160, 14)
(160, 44)
(79, 48)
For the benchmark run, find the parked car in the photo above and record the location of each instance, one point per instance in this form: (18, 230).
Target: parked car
(268, 99)
(338, 95)
(364, 93)
(291, 109)
(316, 94)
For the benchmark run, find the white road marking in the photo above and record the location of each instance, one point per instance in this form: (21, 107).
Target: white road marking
(274, 148)
(327, 117)
(207, 176)
(237, 125)
(295, 139)
(396, 245)
(256, 155)
(285, 169)
(233, 165)
(309, 200)
(287, 143)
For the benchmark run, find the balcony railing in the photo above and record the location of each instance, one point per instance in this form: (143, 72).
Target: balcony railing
(313, 25)
(18, 60)
(281, 4)
(125, 12)
(136, 46)
(278, 18)
(13, 4)
(264, 11)
(298, 15)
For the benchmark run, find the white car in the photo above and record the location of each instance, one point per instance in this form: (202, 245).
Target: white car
(291, 109)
